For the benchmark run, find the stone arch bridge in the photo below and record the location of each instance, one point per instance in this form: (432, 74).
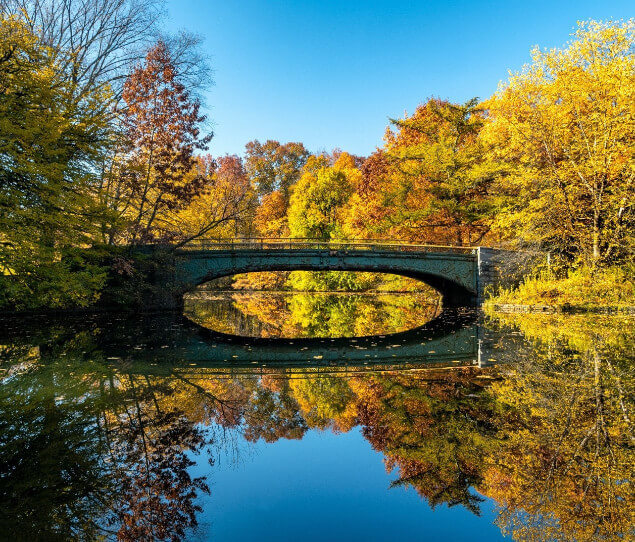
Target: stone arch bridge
(460, 274)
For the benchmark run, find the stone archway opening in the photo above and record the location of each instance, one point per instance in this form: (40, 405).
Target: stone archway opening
(312, 304)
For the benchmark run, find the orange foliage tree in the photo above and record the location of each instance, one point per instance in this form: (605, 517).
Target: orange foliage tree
(432, 179)
(162, 131)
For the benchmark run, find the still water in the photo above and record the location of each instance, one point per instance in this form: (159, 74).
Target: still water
(277, 416)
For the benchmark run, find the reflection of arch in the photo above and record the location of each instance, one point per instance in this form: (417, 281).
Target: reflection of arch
(454, 275)
(451, 337)
(164, 342)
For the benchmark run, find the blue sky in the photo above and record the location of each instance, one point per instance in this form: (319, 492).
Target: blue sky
(330, 74)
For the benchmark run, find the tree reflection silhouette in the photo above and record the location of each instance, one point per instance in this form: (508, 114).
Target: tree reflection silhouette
(84, 453)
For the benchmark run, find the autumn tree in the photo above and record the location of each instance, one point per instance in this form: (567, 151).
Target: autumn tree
(98, 42)
(366, 213)
(564, 125)
(74, 173)
(438, 176)
(273, 169)
(272, 166)
(316, 205)
(270, 219)
(162, 131)
(318, 209)
(50, 148)
(315, 162)
(224, 207)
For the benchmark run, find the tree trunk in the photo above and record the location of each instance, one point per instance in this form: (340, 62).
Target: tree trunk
(596, 238)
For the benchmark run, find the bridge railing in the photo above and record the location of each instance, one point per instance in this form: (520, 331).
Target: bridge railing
(276, 243)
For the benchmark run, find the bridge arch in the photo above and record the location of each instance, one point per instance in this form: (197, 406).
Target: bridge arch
(453, 275)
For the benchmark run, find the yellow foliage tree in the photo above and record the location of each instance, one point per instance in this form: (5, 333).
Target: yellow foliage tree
(271, 216)
(565, 126)
(223, 208)
(318, 198)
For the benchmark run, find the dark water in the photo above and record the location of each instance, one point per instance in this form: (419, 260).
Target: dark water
(331, 418)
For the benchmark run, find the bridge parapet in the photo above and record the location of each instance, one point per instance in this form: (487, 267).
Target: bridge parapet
(299, 243)
(451, 272)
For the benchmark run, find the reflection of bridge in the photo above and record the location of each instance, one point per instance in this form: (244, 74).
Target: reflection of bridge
(451, 338)
(459, 273)
(165, 343)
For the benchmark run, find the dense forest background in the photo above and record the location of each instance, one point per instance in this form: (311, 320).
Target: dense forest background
(103, 144)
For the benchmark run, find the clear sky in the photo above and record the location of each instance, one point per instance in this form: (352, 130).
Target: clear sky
(330, 74)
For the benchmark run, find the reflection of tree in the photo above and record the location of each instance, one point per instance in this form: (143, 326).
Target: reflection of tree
(437, 432)
(51, 483)
(551, 440)
(148, 447)
(87, 450)
(86, 453)
(436, 428)
(269, 314)
(272, 415)
(564, 471)
(326, 401)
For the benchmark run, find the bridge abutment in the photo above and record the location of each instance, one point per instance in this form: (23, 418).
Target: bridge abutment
(488, 264)
(498, 267)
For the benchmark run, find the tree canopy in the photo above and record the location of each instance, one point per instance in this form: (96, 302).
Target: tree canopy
(108, 148)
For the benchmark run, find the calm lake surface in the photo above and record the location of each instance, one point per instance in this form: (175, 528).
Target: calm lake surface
(278, 416)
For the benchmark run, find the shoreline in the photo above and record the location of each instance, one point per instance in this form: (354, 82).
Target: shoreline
(290, 292)
(564, 308)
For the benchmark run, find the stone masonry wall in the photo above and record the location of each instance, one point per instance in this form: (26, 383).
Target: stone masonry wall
(498, 267)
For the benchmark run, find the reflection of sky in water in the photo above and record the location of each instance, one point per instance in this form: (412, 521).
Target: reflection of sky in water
(327, 487)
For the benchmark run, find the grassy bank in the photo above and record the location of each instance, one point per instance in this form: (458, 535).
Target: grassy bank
(581, 288)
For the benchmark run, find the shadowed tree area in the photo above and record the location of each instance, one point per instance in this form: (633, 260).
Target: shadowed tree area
(87, 453)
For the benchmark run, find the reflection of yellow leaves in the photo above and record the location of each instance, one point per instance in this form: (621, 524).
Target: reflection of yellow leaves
(568, 440)
(581, 331)
(548, 435)
(311, 315)
(326, 402)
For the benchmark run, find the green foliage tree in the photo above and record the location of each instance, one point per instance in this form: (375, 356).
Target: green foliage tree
(315, 208)
(272, 166)
(50, 146)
